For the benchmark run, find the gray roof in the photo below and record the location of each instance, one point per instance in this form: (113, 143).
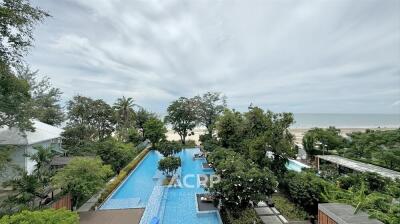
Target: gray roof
(43, 132)
(360, 166)
(344, 214)
(60, 161)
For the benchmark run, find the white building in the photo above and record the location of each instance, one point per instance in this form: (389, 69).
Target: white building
(25, 141)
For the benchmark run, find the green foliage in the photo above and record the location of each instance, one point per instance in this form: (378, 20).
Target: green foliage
(155, 131)
(169, 165)
(230, 129)
(378, 147)
(14, 100)
(305, 189)
(115, 153)
(27, 189)
(49, 216)
(42, 158)
(125, 117)
(169, 148)
(45, 101)
(208, 107)
(82, 177)
(182, 116)
(122, 175)
(288, 209)
(89, 121)
(317, 139)
(246, 216)
(142, 116)
(241, 180)
(17, 21)
(5, 152)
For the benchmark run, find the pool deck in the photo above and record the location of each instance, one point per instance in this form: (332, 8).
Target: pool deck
(120, 216)
(204, 206)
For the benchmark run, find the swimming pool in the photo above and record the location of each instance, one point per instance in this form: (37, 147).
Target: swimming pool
(135, 191)
(295, 165)
(171, 205)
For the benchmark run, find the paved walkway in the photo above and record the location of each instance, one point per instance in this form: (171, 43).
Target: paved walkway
(120, 216)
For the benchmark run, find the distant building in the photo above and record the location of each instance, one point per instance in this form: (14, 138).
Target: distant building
(25, 141)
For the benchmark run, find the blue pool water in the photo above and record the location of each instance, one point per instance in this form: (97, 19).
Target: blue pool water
(137, 187)
(175, 205)
(180, 207)
(295, 166)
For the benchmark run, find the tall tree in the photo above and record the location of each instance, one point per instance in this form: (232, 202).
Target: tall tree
(45, 98)
(14, 100)
(125, 116)
(88, 121)
(182, 117)
(17, 21)
(142, 116)
(209, 106)
(155, 131)
(230, 129)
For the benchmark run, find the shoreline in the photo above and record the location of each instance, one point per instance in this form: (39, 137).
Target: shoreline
(297, 132)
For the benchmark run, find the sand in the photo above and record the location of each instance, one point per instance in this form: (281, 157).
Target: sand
(297, 132)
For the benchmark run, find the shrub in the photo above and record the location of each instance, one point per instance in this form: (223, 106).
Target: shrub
(247, 216)
(288, 209)
(121, 176)
(305, 189)
(49, 216)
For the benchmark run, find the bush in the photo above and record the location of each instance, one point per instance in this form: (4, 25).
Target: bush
(49, 216)
(248, 216)
(121, 176)
(288, 209)
(305, 189)
(190, 144)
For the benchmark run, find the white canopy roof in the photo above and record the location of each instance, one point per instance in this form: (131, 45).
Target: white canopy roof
(43, 132)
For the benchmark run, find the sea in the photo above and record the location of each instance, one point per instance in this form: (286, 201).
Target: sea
(347, 120)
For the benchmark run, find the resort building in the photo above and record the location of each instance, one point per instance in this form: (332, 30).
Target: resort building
(24, 143)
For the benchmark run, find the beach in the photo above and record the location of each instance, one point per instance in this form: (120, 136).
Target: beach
(297, 132)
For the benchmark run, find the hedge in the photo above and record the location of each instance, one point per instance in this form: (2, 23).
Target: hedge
(121, 176)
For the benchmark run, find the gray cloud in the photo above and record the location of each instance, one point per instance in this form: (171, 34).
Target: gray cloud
(303, 56)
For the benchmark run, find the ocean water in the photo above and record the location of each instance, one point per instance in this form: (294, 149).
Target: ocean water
(347, 120)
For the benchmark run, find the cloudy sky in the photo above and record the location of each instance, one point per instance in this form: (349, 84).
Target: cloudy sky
(303, 56)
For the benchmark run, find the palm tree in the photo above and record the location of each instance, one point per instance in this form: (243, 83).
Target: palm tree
(42, 158)
(124, 112)
(123, 107)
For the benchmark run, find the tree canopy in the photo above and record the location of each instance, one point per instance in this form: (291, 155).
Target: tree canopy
(155, 131)
(182, 116)
(82, 177)
(209, 106)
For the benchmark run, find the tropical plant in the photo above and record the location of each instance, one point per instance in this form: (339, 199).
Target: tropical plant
(125, 116)
(82, 177)
(169, 165)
